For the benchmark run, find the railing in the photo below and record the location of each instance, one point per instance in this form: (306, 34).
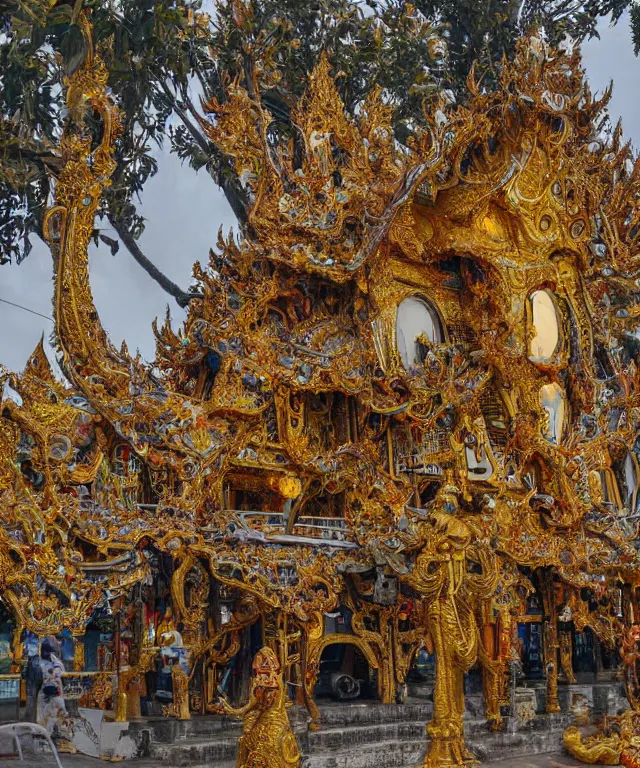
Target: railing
(270, 518)
(320, 531)
(9, 687)
(33, 729)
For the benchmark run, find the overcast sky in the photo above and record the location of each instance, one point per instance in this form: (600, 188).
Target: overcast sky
(184, 211)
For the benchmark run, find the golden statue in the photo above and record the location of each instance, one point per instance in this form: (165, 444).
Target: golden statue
(618, 742)
(594, 750)
(267, 740)
(441, 576)
(619, 745)
(78, 655)
(122, 701)
(180, 692)
(166, 625)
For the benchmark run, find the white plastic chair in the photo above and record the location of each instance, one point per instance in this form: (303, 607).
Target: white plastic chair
(34, 730)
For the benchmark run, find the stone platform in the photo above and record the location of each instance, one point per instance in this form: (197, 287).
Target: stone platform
(373, 735)
(547, 760)
(367, 734)
(604, 697)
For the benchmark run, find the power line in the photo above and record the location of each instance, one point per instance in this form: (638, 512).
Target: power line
(26, 309)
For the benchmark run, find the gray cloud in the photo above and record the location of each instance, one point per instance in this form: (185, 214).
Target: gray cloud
(184, 212)
(612, 58)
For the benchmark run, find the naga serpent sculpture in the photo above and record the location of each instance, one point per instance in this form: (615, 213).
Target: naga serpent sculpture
(267, 740)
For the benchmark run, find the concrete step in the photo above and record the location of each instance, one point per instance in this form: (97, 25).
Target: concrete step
(541, 735)
(217, 764)
(391, 754)
(168, 730)
(331, 739)
(358, 736)
(191, 752)
(504, 746)
(372, 713)
(478, 725)
(330, 747)
(211, 749)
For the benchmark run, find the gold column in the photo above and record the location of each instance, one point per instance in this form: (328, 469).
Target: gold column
(180, 692)
(387, 686)
(17, 651)
(78, 655)
(551, 645)
(134, 691)
(492, 670)
(121, 701)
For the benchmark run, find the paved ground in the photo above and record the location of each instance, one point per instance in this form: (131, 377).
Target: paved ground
(537, 761)
(79, 761)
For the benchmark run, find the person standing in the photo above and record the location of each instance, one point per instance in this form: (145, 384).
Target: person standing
(33, 678)
(51, 709)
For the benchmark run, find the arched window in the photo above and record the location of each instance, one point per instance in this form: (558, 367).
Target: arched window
(553, 401)
(415, 318)
(545, 327)
(478, 465)
(496, 421)
(533, 476)
(125, 461)
(609, 488)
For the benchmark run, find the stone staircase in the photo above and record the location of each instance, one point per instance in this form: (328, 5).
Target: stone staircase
(364, 735)
(540, 735)
(201, 741)
(367, 735)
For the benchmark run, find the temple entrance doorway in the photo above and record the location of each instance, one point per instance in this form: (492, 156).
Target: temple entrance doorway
(232, 678)
(531, 644)
(584, 652)
(422, 675)
(345, 675)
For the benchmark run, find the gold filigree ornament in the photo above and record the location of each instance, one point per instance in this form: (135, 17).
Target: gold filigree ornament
(409, 391)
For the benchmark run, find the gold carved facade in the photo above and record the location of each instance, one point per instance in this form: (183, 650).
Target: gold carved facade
(409, 392)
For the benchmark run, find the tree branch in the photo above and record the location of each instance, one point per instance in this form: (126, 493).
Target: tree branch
(181, 297)
(232, 192)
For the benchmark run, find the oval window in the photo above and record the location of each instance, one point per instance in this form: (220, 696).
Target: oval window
(545, 327)
(627, 473)
(413, 320)
(553, 402)
(630, 480)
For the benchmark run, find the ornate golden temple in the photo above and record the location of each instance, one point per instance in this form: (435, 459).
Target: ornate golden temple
(401, 418)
